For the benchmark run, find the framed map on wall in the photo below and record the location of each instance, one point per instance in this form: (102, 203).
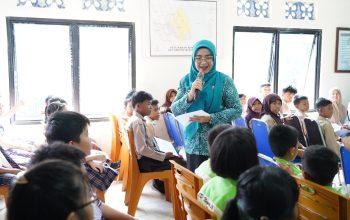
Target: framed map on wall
(175, 25)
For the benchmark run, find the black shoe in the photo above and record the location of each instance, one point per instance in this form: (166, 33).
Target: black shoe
(115, 165)
(158, 185)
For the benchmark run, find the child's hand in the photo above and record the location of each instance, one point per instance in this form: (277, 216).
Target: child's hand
(168, 155)
(98, 166)
(346, 126)
(100, 157)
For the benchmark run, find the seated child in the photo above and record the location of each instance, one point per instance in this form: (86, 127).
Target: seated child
(152, 118)
(254, 109)
(271, 108)
(287, 97)
(156, 124)
(148, 157)
(234, 151)
(264, 193)
(72, 128)
(54, 189)
(283, 140)
(127, 111)
(320, 165)
(243, 101)
(301, 104)
(61, 151)
(204, 170)
(324, 108)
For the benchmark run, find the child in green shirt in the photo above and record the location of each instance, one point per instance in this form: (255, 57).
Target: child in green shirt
(204, 170)
(320, 165)
(234, 151)
(283, 140)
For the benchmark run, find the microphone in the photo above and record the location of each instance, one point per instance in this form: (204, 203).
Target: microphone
(200, 76)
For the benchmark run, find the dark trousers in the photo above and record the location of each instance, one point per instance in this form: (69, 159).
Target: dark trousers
(193, 161)
(147, 164)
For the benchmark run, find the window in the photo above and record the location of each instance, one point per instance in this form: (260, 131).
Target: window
(281, 57)
(89, 64)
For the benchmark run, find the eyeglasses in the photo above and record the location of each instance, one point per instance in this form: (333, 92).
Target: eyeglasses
(86, 204)
(205, 58)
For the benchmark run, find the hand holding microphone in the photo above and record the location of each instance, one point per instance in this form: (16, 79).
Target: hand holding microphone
(198, 85)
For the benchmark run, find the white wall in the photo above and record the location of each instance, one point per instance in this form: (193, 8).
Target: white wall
(157, 74)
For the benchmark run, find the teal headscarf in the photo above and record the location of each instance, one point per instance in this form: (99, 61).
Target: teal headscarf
(210, 97)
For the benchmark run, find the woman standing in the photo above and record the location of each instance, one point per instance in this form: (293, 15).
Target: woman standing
(204, 88)
(339, 112)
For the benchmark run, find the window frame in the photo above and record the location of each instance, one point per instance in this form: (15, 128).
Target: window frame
(277, 32)
(75, 59)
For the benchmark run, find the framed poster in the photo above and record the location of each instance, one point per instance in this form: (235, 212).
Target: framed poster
(176, 25)
(342, 51)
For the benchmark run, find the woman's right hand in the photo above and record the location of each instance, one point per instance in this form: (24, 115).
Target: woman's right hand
(196, 86)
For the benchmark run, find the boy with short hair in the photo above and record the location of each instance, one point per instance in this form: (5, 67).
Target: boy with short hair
(72, 128)
(301, 103)
(152, 118)
(287, 97)
(324, 108)
(148, 157)
(320, 165)
(283, 140)
(243, 100)
(265, 89)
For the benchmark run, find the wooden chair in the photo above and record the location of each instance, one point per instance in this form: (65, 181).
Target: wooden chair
(100, 194)
(319, 202)
(138, 180)
(116, 146)
(4, 191)
(191, 184)
(125, 158)
(186, 185)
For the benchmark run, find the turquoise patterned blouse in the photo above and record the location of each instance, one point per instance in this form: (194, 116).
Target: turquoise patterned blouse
(230, 110)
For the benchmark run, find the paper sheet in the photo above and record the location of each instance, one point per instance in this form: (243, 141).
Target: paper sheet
(184, 119)
(165, 146)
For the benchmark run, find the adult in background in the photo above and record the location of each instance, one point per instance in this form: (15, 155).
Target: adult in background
(169, 98)
(204, 88)
(339, 112)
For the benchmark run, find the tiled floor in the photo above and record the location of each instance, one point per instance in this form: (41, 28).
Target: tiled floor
(152, 204)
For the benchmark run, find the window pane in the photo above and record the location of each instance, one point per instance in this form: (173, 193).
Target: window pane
(105, 75)
(297, 60)
(43, 66)
(252, 61)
